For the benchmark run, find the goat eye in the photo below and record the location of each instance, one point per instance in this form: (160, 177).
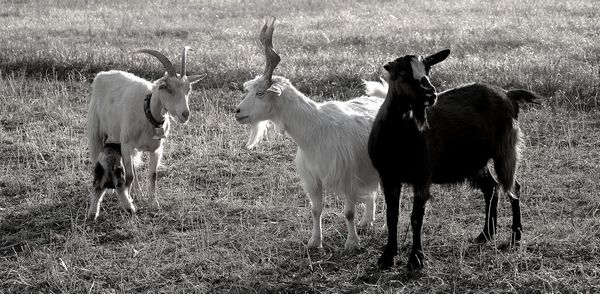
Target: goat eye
(401, 73)
(260, 94)
(166, 88)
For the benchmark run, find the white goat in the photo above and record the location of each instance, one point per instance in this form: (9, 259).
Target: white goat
(331, 137)
(133, 112)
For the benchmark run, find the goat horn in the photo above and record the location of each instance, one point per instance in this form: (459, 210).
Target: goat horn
(164, 60)
(183, 62)
(266, 39)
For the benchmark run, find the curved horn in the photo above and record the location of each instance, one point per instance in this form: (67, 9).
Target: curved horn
(164, 60)
(271, 57)
(183, 57)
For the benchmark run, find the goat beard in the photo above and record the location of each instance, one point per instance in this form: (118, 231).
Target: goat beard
(257, 131)
(420, 117)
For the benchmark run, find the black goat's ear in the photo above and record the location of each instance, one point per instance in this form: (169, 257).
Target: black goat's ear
(436, 58)
(391, 68)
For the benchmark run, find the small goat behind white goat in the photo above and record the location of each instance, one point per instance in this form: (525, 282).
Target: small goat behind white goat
(128, 110)
(331, 137)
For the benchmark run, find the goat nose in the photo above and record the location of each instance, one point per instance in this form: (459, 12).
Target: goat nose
(237, 110)
(185, 114)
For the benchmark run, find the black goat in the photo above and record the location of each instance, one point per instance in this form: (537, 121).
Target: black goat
(420, 138)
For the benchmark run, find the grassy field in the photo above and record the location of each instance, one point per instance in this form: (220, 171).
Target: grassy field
(234, 220)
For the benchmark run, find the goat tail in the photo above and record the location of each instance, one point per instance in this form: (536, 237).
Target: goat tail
(520, 95)
(95, 137)
(376, 89)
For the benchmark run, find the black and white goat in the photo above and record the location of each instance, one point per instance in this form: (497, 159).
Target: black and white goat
(331, 137)
(133, 112)
(109, 172)
(420, 137)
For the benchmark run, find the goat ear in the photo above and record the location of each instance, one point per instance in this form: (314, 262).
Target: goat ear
(436, 58)
(196, 78)
(391, 70)
(387, 67)
(276, 89)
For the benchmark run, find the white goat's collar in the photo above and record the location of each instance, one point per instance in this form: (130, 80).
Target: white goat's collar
(159, 132)
(148, 113)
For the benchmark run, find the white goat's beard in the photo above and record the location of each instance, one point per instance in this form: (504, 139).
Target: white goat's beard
(257, 131)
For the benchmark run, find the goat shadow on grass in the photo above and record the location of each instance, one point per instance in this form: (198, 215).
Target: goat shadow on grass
(401, 275)
(53, 224)
(39, 226)
(398, 274)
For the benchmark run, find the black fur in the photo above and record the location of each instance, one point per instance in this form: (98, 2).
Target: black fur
(109, 174)
(452, 141)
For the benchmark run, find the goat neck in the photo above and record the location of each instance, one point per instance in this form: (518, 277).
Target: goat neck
(401, 102)
(298, 115)
(157, 110)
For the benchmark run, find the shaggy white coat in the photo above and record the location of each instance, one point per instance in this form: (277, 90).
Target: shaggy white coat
(332, 145)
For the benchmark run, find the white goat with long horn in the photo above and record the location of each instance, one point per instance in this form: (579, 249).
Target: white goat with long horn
(133, 112)
(331, 137)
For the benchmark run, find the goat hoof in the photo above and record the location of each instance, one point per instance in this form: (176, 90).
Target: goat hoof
(154, 204)
(482, 238)
(314, 243)
(362, 229)
(93, 218)
(416, 261)
(386, 260)
(515, 239)
(131, 210)
(351, 246)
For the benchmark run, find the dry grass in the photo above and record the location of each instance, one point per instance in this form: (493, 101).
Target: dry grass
(235, 220)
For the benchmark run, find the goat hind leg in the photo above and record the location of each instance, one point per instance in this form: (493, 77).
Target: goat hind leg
(505, 164)
(485, 182)
(368, 217)
(515, 206)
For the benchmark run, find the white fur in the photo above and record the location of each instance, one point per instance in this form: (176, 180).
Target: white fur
(376, 89)
(116, 115)
(418, 68)
(332, 145)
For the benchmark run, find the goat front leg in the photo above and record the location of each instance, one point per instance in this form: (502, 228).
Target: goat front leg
(416, 258)
(123, 192)
(352, 242)
(154, 160)
(391, 190)
(135, 191)
(315, 194)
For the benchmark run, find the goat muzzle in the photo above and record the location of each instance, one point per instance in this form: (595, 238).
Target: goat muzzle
(428, 91)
